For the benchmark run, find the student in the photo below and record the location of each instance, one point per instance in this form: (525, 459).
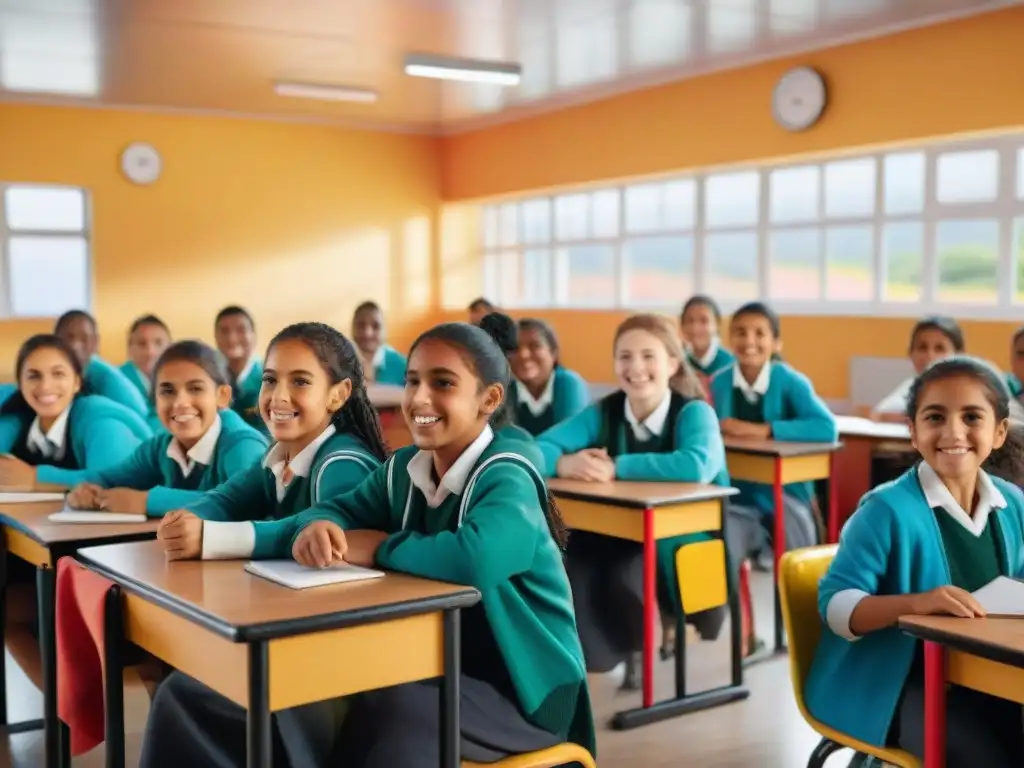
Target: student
(933, 338)
(327, 439)
(205, 443)
(543, 393)
(463, 504)
(382, 364)
(235, 333)
(1015, 378)
(761, 397)
(79, 331)
(52, 434)
(921, 545)
(478, 308)
(655, 428)
(699, 321)
(147, 339)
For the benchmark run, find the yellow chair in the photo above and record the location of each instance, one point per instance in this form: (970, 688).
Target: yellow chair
(799, 574)
(563, 754)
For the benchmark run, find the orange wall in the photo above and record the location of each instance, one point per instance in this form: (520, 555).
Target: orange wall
(295, 222)
(952, 78)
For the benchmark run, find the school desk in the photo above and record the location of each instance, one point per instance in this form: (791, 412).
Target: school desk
(861, 438)
(267, 648)
(983, 654)
(778, 463)
(646, 512)
(29, 535)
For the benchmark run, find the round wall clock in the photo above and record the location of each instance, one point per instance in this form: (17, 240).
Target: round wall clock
(799, 99)
(141, 163)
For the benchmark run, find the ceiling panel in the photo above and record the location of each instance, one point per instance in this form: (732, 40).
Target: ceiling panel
(226, 55)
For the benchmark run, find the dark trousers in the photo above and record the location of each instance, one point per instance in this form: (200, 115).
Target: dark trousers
(747, 534)
(189, 724)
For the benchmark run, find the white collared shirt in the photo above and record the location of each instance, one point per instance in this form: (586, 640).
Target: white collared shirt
(654, 424)
(421, 470)
(200, 453)
(244, 373)
(753, 392)
(937, 495)
(301, 463)
(536, 405)
(709, 355)
(52, 444)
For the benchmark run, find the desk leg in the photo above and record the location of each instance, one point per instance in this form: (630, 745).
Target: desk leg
(780, 550)
(833, 500)
(5, 726)
(934, 705)
(258, 754)
(57, 744)
(451, 729)
(113, 678)
(650, 606)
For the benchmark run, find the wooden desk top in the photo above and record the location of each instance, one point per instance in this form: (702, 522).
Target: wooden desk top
(386, 396)
(856, 426)
(637, 495)
(222, 597)
(999, 640)
(32, 520)
(781, 448)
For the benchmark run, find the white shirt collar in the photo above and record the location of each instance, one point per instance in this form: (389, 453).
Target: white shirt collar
(537, 405)
(301, 463)
(244, 373)
(421, 470)
(654, 424)
(937, 495)
(200, 453)
(51, 445)
(709, 356)
(757, 390)
(378, 357)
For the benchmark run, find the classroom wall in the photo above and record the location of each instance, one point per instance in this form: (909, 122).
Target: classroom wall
(953, 78)
(295, 222)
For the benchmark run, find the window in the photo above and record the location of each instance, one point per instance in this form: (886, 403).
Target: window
(588, 275)
(658, 270)
(1020, 174)
(794, 194)
(731, 266)
(795, 264)
(903, 256)
(1018, 251)
(968, 177)
(732, 199)
(904, 182)
(849, 272)
(850, 188)
(968, 260)
(44, 231)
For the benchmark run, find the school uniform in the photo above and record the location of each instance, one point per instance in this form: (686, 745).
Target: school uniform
(93, 433)
(712, 361)
(679, 442)
(784, 398)
(144, 385)
(523, 682)
(6, 391)
(175, 478)
(102, 378)
(565, 395)
(1014, 385)
(387, 366)
(245, 394)
(908, 537)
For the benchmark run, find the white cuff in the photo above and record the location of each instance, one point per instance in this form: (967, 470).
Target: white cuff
(840, 609)
(228, 541)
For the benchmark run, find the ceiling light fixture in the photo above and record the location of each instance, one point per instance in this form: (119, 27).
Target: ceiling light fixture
(325, 92)
(467, 70)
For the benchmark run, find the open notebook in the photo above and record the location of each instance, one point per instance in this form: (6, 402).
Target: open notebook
(1002, 598)
(290, 574)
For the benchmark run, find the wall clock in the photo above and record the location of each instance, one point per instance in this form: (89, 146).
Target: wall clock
(799, 99)
(141, 163)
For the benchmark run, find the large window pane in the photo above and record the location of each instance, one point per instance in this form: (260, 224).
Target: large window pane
(490, 228)
(660, 206)
(902, 248)
(850, 188)
(793, 194)
(588, 275)
(492, 274)
(643, 208)
(572, 214)
(45, 209)
(968, 177)
(679, 206)
(731, 265)
(538, 290)
(536, 216)
(604, 219)
(794, 264)
(509, 224)
(849, 273)
(967, 260)
(1020, 174)
(904, 182)
(659, 270)
(731, 199)
(659, 32)
(49, 275)
(1018, 252)
(508, 285)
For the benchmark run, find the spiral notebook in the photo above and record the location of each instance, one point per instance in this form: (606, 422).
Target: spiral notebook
(289, 573)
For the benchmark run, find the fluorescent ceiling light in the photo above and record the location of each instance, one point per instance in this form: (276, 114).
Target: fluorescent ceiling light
(325, 92)
(466, 70)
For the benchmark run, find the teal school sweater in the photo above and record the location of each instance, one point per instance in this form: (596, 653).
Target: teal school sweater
(101, 433)
(341, 463)
(149, 468)
(245, 397)
(723, 359)
(795, 413)
(392, 368)
(6, 390)
(493, 537)
(1014, 385)
(690, 451)
(141, 383)
(892, 545)
(102, 378)
(570, 395)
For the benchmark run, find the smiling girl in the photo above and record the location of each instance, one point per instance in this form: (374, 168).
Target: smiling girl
(147, 339)
(381, 364)
(52, 434)
(921, 545)
(657, 428)
(933, 338)
(699, 321)
(205, 443)
(235, 333)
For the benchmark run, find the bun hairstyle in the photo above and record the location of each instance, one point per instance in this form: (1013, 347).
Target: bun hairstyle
(16, 403)
(199, 354)
(945, 325)
(503, 330)
(685, 381)
(338, 357)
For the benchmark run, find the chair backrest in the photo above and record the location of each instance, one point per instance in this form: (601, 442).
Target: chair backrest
(799, 573)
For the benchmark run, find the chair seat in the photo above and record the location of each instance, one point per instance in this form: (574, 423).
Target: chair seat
(889, 755)
(563, 754)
